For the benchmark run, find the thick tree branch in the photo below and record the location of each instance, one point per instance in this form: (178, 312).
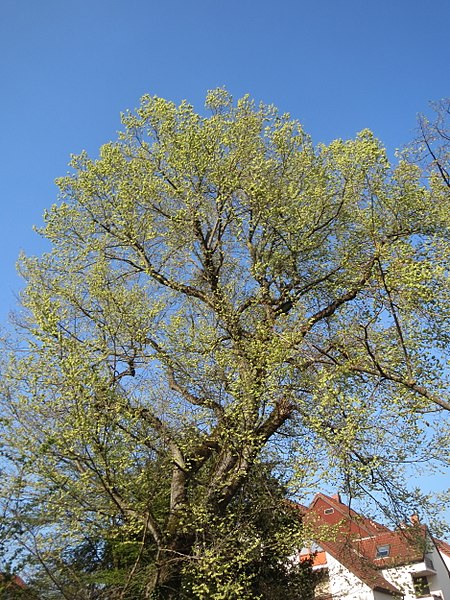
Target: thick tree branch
(191, 398)
(331, 308)
(177, 286)
(282, 411)
(405, 382)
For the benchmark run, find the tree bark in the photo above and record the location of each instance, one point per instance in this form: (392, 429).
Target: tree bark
(166, 583)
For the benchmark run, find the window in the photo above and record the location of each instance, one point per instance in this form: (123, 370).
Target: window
(328, 511)
(421, 586)
(383, 551)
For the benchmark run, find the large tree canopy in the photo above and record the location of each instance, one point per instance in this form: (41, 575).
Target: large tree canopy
(218, 290)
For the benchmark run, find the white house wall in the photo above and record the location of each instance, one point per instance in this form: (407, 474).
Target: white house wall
(344, 585)
(440, 581)
(446, 559)
(401, 578)
(439, 584)
(380, 596)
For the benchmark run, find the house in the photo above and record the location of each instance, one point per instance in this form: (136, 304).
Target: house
(11, 586)
(357, 558)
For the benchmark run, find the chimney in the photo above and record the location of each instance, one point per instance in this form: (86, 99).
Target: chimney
(337, 497)
(414, 519)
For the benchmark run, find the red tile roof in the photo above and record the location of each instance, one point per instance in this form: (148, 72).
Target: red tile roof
(354, 539)
(442, 546)
(12, 581)
(319, 558)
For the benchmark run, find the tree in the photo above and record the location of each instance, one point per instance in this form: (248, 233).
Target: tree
(432, 145)
(220, 291)
(247, 556)
(431, 151)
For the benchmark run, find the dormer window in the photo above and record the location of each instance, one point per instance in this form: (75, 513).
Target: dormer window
(383, 551)
(328, 511)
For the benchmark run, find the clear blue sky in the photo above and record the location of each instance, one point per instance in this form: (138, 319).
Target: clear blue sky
(67, 70)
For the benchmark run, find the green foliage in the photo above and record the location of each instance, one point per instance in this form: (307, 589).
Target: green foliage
(432, 146)
(250, 553)
(217, 290)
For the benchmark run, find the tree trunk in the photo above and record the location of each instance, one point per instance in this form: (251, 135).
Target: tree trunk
(166, 584)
